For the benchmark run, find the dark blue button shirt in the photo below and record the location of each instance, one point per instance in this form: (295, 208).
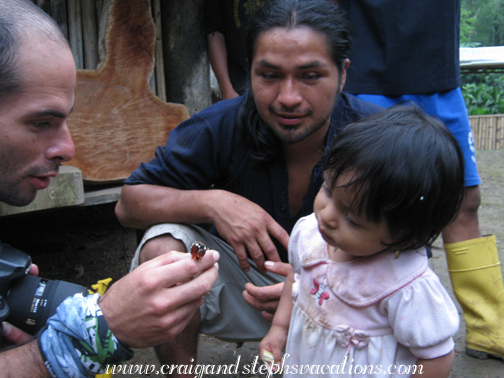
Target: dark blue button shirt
(206, 152)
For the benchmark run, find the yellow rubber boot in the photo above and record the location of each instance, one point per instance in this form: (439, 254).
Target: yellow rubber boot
(476, 278)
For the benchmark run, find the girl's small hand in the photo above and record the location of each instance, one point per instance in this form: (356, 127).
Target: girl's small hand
(274, 342)
(267, 298)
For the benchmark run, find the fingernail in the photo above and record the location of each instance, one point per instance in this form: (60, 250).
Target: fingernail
(6, 328)
(217, 266)
(269, 263)
(216, 256)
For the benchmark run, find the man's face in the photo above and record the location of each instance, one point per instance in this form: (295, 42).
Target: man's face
(34, 137)
(295, 82)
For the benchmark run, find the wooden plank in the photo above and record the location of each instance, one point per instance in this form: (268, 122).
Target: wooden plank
(44, 5)
(99, 8)
(488, 122)
(66, 189)
(488, 131)
(58, 11)
(483, 133)
(159, 60)
(498, 145)
(480, 134)
(117, 122)
(75, 32)
(101, 196)
(492, 133)
(102, 32)
(90, 34)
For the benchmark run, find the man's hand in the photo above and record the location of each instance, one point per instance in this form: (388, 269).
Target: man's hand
(246, 226)
(34, 270)
(155, 302)
(266, 298)
(13, 336)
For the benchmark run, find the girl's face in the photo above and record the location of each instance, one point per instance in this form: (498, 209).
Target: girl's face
(350, 235)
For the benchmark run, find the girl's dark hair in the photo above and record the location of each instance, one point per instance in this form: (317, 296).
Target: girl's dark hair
(319, 15)
(407, 169)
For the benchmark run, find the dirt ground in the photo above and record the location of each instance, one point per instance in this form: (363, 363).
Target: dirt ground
(85, 244)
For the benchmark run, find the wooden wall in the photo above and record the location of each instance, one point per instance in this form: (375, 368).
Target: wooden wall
(488, 131)
(187, 81)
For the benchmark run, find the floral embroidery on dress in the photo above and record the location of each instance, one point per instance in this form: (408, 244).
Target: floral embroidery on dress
(319, 291)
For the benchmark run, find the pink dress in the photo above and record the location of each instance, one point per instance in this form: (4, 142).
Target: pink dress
(371, 317)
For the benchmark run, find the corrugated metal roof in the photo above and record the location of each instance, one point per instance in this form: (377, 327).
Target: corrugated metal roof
(482, 58)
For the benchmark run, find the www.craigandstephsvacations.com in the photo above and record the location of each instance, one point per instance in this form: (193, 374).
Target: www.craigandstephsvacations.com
(257, 367)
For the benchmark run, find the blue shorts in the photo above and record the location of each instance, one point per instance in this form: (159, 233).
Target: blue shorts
(449, 106)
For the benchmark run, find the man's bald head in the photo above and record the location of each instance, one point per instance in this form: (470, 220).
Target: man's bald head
(21, 19)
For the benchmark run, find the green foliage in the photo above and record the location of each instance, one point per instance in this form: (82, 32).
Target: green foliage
(485, 96)
(467, 32)
(482, 22)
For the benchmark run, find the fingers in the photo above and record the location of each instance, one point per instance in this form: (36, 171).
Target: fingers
(191, 290)
(164, 259)
(280, 268)
(268, 307)
(263, 298)
(269, 249)
(158, 325)
(267, 245)
(271, 346)
(265, 293)
(15, 335)
(257, 248)
(266, 315)
(162, 295)
(241, 255)
(248, 229)
(34, 270)
(279, 233)
(258, 256)
(184, 268)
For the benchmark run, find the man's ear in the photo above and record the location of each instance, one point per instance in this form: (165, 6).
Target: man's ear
(343, 74)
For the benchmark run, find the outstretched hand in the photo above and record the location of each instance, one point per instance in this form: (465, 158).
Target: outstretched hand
(155, 302)
(266, 298)
(274, 342)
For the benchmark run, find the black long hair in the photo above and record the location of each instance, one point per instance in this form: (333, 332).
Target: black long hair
(407, 169)
(319, 15)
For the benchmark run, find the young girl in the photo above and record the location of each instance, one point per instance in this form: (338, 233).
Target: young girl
(365, 301)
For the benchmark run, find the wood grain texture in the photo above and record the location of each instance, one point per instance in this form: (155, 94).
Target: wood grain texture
(117, 121)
